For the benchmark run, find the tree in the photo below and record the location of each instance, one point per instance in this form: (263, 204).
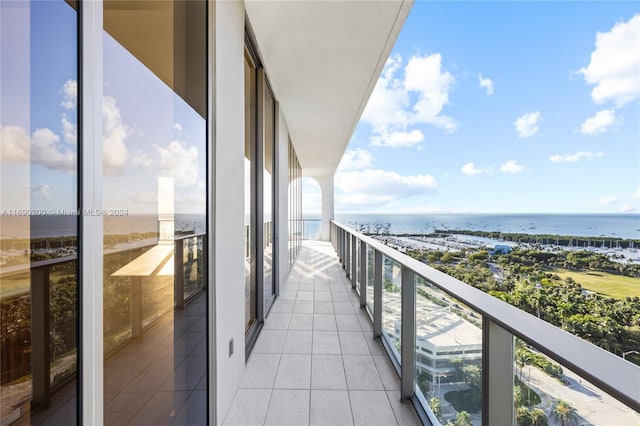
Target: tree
(518, 398)
(564, 414)
(538, 418)
(463, 419)
(434, 403)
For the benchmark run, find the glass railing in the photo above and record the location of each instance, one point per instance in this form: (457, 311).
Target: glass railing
(311, 229)
(39, 344)
(49, 299)
(476, 360)
(131, 305)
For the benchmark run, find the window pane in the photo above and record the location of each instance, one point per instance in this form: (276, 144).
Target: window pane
(155, 193)
(267, 196)
(38, 201)
(448, 355)
(249, 193)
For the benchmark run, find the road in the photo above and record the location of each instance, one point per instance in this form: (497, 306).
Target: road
(591, 404)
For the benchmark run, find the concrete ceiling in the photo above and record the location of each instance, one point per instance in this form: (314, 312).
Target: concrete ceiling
(323, 59)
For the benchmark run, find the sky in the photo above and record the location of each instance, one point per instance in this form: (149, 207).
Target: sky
(148, 130)
(501, 107)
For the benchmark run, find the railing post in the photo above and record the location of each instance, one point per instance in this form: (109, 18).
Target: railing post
(354, 261)
(408, 332)
(377, 293)
(347, 251)
(341, 245)
(497, 374)
(178, 274)
(363, 274)
(40, 348)
(136, 307)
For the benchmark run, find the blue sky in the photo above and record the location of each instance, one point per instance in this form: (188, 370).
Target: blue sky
(149, 131)
(501, 107)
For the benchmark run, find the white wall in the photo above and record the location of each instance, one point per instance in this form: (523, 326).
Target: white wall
(282, 180)
(229, 202)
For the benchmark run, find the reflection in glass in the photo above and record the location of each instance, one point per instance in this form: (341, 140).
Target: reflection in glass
(370, 278)
(249, 192)
(294, 203)
(267, 197)
(565, 395)
(392, 304)
(38, 224)
(448, 354)
(155, 184)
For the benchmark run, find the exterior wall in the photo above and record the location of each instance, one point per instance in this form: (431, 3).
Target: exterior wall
(282, 194)
(229, 202)
(326, 184)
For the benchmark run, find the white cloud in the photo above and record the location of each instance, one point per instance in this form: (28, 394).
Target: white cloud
(608, 200)
(626, 208)
(417, 97)
(14, 145)
(374, 189)
(143, 160)
(45, 150)
(573, 158)
(615, 64)
(177, 127)
(486, 83)
(69, 130)
(636, 195)
(41, 192)
(424, 75)
(115, 133)
(512, 166)
(601, 122)
(69, 94)
(527, 125)
(355, 159)
(470, 169)
(41, 148)
(398, 139)
(181, 161)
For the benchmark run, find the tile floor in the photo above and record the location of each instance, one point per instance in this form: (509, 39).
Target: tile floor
(316, 362)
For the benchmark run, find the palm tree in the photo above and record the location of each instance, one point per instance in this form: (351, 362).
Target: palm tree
(564, 414)
(538, 418)
(463, 419)
(434, 403)
(518, 399)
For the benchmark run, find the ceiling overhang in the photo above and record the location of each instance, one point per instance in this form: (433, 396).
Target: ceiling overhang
(323, 59)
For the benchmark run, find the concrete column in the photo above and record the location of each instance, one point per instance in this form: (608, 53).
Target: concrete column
(326, 184)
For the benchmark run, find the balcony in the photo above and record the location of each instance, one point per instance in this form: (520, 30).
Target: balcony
(316, 361)
(331, 349)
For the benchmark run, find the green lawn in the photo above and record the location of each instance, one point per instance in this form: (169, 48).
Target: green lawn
(469, 400)
(603, 282)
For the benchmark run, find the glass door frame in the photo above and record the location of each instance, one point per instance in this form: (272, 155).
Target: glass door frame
(90, 199)
(257, 193)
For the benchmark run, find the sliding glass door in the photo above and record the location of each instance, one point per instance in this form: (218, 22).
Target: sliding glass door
(259, 196)
(154, 193)
(38, 220)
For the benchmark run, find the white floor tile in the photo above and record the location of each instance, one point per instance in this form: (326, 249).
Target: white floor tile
(239, 415)
(288, 408)
(327, 372)
(330, 408)
(326, 342)
(294, 372)
(371, 408)
(361, 373)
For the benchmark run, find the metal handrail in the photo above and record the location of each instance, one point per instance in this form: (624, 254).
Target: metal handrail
(614, 375)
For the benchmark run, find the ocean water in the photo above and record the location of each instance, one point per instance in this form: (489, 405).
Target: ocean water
(47, 226)
(586, 225)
